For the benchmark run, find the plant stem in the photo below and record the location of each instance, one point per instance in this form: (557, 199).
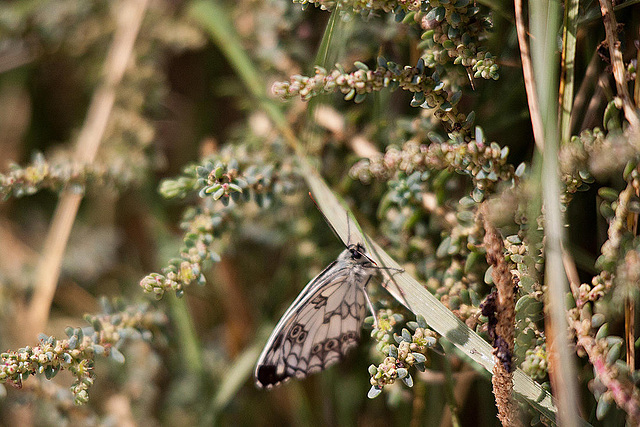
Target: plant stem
(129, 17)
(186, 334)
(529, 82)
(545, 21)
(567, 80)
(617, 62)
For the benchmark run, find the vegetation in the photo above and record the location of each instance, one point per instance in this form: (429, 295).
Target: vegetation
(157, 163)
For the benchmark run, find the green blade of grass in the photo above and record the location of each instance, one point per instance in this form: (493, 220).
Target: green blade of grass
(236, 377)
(214, 19)
(544, 24)
(569, 42)
(328, 52)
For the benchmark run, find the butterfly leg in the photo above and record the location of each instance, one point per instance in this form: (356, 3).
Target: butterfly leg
(373, 310)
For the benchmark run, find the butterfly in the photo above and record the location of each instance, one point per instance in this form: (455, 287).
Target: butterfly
(322, 324)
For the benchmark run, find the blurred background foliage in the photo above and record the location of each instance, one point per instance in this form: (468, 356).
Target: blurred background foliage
(195, 180)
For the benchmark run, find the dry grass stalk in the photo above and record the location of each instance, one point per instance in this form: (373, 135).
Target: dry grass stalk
(130, 17)
(617, 62)
(500, 308)
(529, 82)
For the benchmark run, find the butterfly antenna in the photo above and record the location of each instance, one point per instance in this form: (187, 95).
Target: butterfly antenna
(328, 222)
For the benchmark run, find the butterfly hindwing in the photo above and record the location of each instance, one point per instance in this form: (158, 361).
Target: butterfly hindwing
(324, 332)
(319, 328)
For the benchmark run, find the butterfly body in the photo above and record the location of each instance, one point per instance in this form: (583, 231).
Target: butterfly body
(322, 324)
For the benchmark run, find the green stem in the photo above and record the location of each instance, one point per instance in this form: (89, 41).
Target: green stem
(214, 19)
(568, 67)
(187, 337)
(235, 378)
(449, 385)
(544, 24)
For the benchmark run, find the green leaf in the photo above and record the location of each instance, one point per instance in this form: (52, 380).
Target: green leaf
(116, 355)
(374, 392)
(408, 380)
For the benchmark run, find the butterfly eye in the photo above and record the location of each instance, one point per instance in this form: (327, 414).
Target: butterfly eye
(355, 254)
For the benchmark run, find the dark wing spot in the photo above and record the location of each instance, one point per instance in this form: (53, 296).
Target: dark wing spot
(319, 301)
(295, 331)
(277, 342)
(301, 337)
(331, 344)
(327, 317)
(316, 348)
(267, 376)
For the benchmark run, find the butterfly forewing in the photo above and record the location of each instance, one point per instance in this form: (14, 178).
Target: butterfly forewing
(322, 324)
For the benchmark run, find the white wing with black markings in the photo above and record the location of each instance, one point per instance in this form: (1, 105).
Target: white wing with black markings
(322, 324)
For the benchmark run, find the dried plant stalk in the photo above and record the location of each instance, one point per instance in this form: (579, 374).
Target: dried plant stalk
(617, 62)
(48, 270)
(500, 307)
(529, 81)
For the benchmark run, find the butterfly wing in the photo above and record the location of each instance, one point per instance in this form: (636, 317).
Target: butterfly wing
(319, 328)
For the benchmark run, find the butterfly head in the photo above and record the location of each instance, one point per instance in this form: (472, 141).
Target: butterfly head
(358, 255)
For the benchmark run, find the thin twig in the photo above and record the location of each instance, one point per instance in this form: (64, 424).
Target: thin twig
(129, 17)
(636, 86)
(602, 94)
(630, 331)
(610, 27)
(529, 83)
(581, 95)
(623, 392)
(572, 273)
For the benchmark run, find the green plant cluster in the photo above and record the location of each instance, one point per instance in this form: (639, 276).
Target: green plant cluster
(403, 351)
(453, 32)
(106, 334)
(613, 379)
(213, 181)
(23, 181)
(362, 6)
(428, 89)
(434, 175)
(485, 163)
(452, 36)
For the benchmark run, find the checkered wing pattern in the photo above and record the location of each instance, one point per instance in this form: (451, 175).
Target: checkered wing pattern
(321, 325)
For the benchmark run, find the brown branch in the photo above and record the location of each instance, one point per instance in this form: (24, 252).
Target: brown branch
(630, 303)
(129, 18)
(572, 274)
(529, 83)
(501, 310)
(610, 27)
